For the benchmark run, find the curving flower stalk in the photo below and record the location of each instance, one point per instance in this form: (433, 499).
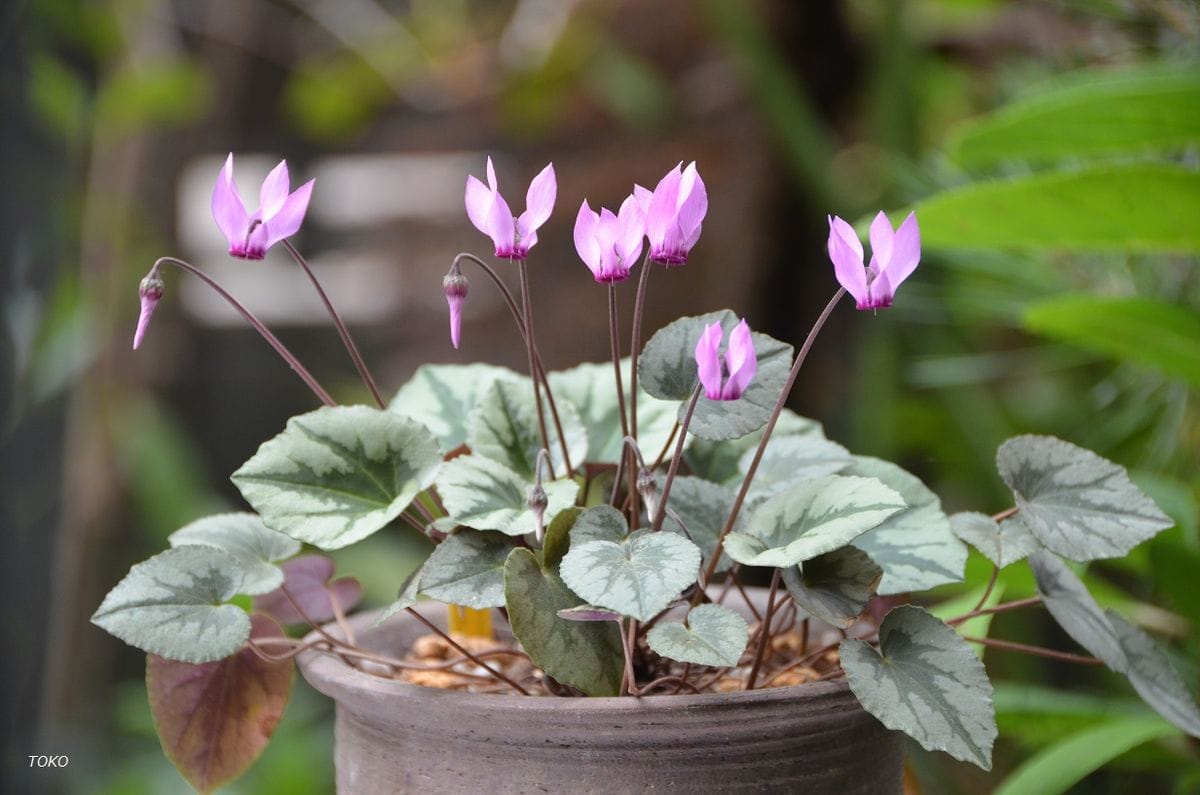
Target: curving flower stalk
(894, 256)
(279, 215)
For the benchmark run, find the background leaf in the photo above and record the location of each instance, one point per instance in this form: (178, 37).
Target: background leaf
(638, 576)
(1002, 543)
(703, 507)
(485, 494)
(442, 396)
(244, 536)
(714, 635)
(467, 569)
(834, 587)
(504, 428)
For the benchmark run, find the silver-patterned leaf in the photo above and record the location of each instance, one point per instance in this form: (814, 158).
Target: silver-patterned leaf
(1002, 543)
(637, 577)
(713, 635)
(467, 569)
(599, 523)
(592, 389)
(926, 682)
(834, 587)
(1076, 503)
(1154, 679)
(504, 427)
(486, 495)
(338, 474)
(812, 518)
(718, 461)
(703, 508)
(1068, 600)
(789, 460)
(915, 547)
(442, 396)
(244, 536)
(171, 605)
(583, 654)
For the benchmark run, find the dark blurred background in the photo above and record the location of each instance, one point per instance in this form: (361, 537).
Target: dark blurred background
(116, 115)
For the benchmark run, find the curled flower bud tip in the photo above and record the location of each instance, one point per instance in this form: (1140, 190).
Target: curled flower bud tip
(149, 291)
(455, 286)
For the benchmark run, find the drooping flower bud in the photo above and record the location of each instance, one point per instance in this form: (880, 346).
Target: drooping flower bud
(149, 291)
(455, 286)
(537, 502)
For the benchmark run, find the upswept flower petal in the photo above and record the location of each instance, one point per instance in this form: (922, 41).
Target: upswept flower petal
(227, 208)
(630, 231)
(539, 200)
(279, 216)
(490, 213)
(847, 261)
(287, 220)
(694, 204)
(708, 362)
(274, 190)
(586, 244)
(906, 251)
(881, 236)
(742, 361)
(894, 256)
(479, 203)
(674, 214)
(501, 229)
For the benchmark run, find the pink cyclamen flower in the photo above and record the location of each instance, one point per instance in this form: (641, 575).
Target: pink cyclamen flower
(454, 285)
(491, 215)
(894, 256)
(149, 291)
(674, 212)
(610, 244)
(741, 362)
(278, 216)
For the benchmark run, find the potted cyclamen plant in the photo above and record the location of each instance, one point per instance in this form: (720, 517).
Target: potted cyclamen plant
(590, 529)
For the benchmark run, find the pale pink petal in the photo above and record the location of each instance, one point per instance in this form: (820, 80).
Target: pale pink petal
(586, 244)
(630, 231)
(274, 191)
(499, 227)
(150, 291)
(539, 200)
(742, 361)
(227, 208)
(455, 287)
(906, 252)
(847, 263)
(644, 196)
(881, 291)
(663, 207)
(286, 222)
(479, 203)
(708, 362)
(491, 175)
(881, 241)
(694, 205)
(456, 305)
(847, 235)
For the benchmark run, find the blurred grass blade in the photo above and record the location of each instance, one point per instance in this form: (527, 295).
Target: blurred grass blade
(1143, 331)
(1096, 209)
(1062, 765)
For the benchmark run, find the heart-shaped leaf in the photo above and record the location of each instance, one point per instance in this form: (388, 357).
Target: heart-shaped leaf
(215, 718)
(668, 371)
(1000, 542)
(504, 427)
(834, 587)
(789, 460)
(1076, 503)
(915, 547)
(584, 654)
(467, 569)
(171, 605)
(713, 635)
(338, 474)
(442, 396)
(703, 508)
(485, 494)
(558, 537)
(244, 536)
(599, 523)
(638, 576)
(926, 682)
(309, 592)
(812, 518)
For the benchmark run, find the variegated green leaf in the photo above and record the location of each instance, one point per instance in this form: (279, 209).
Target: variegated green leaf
(171, 605)
(713, 635)
(812, 518)
(486, 495)
(442, 396)
(638, 576)
(338, 474)
(915, 547)
(789, 460)
(834, 587)
(1000, 542)
(926, 682)
(244, 536)
(703, 508)
(467, 569)
(1154, 679)
(504, 427)
(599, 523)
(718, 461)
(1074, 502)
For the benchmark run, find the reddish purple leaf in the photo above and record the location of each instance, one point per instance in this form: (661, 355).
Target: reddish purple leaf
(306, 579)
(215, 718)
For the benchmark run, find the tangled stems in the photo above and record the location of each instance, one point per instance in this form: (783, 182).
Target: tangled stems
(263, 331)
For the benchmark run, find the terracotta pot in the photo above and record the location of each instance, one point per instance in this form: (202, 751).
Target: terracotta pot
(392, 736)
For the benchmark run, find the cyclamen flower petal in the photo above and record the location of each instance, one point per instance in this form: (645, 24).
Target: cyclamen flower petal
(609, 244)
(741, 362)
(894, 256)
(674, 214)
(150, 291)
(279, 216)
(490, 213)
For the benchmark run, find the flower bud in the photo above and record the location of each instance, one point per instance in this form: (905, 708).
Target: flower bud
(455, 285)
(537, 502)
(149, 291)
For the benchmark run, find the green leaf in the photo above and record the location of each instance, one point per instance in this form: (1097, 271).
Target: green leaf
(171, 605)
(713, 635)
(812, 518)
(442, 396)
(915, 547)
(592, 389)
(926, 682)
(1000, 542)
(338, 474)
(481, 493)
(467, 569)
(244, 536)
(1074, 502)
(638, 576)
(718, 461)
(1094, 209)
(668, 371)
(584, 654)
(703, 508)
(215, 718)
(834, 587)
(1154, 679)
(1059, 767)
(599, 523)
(558, 537)
(1098, 112)
(1143, 331)
(789, 460)
(504, 428)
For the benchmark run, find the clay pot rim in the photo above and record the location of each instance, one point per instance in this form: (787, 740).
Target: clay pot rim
(334, 678)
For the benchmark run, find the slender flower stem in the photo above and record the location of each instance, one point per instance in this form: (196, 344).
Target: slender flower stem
(1000, 608)
(263, 331)
(463, 651)
(635, 343)
(675, 459)
(662, 454)
(1006, 513)
(343, 332)
(628, 685)
(988, 590)
(1036, 651)
(615, 345)
(764, 635)
(766, 437)
(527, 313)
